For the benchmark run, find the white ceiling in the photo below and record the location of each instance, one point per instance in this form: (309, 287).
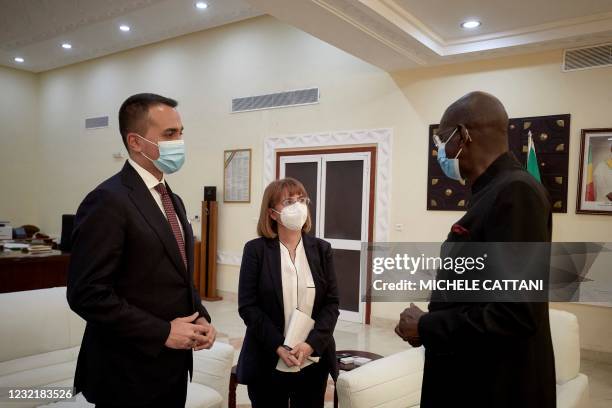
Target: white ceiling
(400, 34)
(444, 16)
(392, 34)
(35, 29)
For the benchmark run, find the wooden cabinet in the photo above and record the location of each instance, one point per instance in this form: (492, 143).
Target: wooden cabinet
(27, 272)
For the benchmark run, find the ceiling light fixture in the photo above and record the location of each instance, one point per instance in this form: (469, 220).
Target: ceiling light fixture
(201, 5)
(66, 46)
(19, 59)
(124, 28)
(470, 24)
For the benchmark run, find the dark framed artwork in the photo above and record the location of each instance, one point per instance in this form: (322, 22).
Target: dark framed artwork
(595, 172)
(551, 140)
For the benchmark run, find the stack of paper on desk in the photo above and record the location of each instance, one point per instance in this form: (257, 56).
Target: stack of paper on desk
(38, 249)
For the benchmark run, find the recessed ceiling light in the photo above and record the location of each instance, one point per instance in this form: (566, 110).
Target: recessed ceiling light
(124, 28)
(201, 5)
(19, 59)
(66, 46)
(470, 24)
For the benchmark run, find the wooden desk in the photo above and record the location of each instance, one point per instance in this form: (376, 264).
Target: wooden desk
(19, 271)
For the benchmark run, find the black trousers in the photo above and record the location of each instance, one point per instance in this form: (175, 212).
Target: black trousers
(304, 389)
(173, 397)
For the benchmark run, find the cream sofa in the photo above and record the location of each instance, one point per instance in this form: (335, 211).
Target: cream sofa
(395, 381)
(39, 343)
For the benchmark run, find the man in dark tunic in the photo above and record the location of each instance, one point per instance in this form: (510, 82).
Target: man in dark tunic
(486, 354)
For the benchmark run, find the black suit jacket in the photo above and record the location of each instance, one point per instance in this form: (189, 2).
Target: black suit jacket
(260, 304)
(128, 281)
(493, 354)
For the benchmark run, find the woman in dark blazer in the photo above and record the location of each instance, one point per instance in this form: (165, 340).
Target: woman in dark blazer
(283, 270)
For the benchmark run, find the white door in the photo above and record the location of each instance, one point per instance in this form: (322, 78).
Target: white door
(338, 185)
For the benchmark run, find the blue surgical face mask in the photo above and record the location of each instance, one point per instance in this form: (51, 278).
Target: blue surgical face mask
(171, 155)
(450, 167)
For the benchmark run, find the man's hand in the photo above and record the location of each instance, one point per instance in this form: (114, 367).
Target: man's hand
(287, 357)
(301, 352)
(210, 334)
(408, 325)
(413, 341)
(184, 334)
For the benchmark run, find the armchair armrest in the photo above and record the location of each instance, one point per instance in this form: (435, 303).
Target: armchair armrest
(213, 368)
(393, 381)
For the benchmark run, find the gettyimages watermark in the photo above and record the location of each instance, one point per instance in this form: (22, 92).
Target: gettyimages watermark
(487, 272)
(29, 395)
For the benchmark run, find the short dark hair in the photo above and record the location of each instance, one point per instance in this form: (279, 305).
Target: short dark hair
(134, 112)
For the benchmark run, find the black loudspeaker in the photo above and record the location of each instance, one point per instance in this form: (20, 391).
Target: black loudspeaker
(210, 193)
(67, 227)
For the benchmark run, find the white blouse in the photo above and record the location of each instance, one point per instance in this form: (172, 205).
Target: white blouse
(298, 285)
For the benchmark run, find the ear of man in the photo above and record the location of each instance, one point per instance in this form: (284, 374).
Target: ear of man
(134, 143)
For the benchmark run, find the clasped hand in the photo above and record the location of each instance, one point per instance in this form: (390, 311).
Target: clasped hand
(296, 356)
(191, 332)
(408, 326)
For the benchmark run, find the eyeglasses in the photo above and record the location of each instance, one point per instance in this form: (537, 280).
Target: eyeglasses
(292, 200)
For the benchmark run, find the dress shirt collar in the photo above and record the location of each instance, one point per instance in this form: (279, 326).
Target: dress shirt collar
(149, 179)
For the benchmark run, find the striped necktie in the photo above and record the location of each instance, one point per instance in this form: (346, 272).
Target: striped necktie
(172, 219)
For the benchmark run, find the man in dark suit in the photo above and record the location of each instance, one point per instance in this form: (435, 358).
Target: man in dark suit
(131, 271)
(487, 354)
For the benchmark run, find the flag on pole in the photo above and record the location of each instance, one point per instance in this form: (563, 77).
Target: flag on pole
(532, 160)
(589, 194)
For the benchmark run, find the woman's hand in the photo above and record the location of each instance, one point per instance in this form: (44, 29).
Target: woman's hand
(301, 352)
(287, 357)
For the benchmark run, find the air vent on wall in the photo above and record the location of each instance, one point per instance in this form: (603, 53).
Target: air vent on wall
(587, 57)
(276, 100)
(95, 123)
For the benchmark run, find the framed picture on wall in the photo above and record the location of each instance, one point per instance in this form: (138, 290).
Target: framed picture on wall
(551, 142)
(237, 176)
(595, 172)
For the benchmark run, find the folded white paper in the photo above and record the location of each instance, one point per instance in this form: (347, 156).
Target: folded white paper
(300, 325)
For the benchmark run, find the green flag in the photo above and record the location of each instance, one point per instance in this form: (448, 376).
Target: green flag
(532, 160)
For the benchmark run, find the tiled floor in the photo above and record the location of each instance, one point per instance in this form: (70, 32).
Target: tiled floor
(382, 341)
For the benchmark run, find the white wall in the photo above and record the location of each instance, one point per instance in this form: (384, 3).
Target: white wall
(530, 85)
(205, 70)
(19, 170)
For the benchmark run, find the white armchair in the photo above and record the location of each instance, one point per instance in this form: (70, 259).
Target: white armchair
(212, 369)
(572, 385)
(40, 342)
(395, 381)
